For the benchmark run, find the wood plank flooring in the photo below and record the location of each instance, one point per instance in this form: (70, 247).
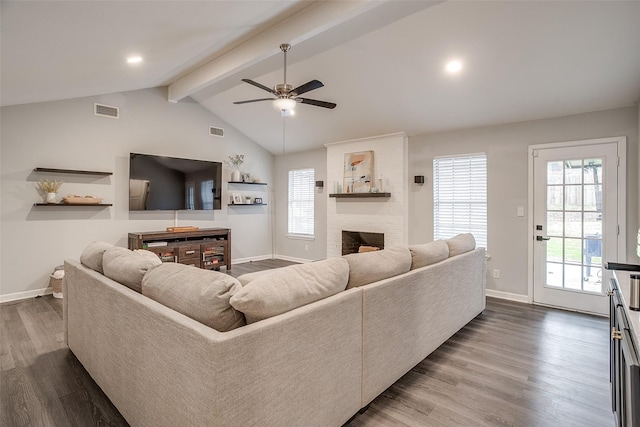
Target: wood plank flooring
(514, 365)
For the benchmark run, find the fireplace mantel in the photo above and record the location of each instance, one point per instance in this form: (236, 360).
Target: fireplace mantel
(358, 195)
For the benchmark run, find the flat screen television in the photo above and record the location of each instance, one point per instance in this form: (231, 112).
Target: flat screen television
(169, 183)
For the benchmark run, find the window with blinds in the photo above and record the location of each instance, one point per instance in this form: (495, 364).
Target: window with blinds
(460, 197)
(301, 203)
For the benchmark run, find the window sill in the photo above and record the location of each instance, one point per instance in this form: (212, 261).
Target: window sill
(301, 237)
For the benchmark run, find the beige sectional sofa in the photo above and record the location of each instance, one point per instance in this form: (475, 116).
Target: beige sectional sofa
(329, 337)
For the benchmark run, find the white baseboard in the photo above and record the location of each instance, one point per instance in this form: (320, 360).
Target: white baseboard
(251, 258)
(25, 295)
(508, 296)
(293, 259)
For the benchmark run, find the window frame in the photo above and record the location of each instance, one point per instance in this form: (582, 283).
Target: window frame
(308, 197)
(470, 201)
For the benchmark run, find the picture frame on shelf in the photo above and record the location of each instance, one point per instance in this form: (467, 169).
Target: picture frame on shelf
(237, 199)
(257, 200)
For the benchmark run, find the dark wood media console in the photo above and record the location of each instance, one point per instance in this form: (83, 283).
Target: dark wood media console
(208, 248)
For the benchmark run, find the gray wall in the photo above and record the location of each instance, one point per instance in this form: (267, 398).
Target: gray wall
(507, 164)
(506, 147)
(293, 248)
(66, 135)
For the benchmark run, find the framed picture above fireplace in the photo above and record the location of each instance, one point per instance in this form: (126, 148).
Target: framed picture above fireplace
(358, 172)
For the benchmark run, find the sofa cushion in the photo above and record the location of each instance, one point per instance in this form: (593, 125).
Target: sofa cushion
(250, 277)
(92, 255)
(461, 243)
(369, 267)
(128, 267)
(200, 294)
(428, 253)
(291, 287)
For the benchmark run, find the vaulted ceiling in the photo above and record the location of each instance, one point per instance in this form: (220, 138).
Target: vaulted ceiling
(382, 62)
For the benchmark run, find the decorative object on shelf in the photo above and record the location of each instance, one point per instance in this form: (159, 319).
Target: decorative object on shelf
(246, 177)
(247, 200)
(358, 172)
(234, 162)
(237, 199)
(257, 201)
(49, 189)
(81, 200)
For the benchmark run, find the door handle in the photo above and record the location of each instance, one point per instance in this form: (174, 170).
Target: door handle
(540, 238)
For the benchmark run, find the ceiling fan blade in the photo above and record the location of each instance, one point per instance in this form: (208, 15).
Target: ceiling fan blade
(254, 100)
(261, 86)
(317, 103)
(309, 86)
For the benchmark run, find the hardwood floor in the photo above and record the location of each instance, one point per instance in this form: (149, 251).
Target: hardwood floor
(514, 365)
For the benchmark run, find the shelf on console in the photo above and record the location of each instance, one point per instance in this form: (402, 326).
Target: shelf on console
(74, 171)
(358, 195)
(247, 204)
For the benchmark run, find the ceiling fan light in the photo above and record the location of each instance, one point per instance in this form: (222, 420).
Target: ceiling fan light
(284, 104)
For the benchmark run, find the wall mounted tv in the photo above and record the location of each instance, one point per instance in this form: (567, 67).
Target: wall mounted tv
(169, 183)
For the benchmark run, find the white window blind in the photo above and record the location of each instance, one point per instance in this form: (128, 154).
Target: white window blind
(301, 202)
(460, 197)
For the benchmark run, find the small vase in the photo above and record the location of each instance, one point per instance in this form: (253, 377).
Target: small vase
(51, 197)
(235, 175)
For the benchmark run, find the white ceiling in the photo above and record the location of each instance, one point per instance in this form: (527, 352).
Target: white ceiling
(381, 62)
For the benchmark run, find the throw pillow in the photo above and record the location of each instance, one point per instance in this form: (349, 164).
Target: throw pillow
(369, 267)
(291, 287)
(461, 243)
(428, 253)
(92, 255)
(128, 267)
(200, 294)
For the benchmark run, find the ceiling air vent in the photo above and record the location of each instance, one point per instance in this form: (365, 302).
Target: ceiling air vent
(106, 111)
(214, 131)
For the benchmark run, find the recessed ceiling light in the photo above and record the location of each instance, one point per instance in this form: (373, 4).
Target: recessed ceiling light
(454, 66)
(134, 59)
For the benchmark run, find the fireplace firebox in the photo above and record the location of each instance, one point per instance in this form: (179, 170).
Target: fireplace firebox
(357, 241)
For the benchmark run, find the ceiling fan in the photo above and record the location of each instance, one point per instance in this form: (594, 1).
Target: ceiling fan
(286, 96)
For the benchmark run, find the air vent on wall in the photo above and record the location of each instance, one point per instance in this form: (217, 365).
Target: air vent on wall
(214, 131)
(106, 111)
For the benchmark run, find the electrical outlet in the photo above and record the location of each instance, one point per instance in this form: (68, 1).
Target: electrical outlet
(306, 247)
(496, 273)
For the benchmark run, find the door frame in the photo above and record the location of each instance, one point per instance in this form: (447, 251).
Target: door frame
(621, 142)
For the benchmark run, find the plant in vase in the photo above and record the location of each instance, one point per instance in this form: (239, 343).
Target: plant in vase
(49, 189)
(234, 162)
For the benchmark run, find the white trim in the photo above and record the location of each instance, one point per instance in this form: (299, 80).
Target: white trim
(570, 309)
(621, 141)
(293, 259)
(368, 138)
(452, 156)
(25, 295)
(508, 296)
(249, 259)
(294, 236)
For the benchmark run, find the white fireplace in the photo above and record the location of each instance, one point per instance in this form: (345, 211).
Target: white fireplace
(384, 215)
